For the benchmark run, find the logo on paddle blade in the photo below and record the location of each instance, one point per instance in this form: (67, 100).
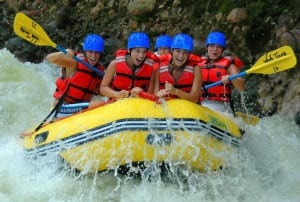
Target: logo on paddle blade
(29, 36)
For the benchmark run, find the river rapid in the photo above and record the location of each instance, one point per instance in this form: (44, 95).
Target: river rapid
(265, 167)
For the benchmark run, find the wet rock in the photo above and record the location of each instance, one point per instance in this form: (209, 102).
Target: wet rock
(110, 4)
(280, 30)
(237, 15)
(265, 100)
(15, 4)
(14, 44)
(287, 38)
(291, 97)
(32, 13)
(62, 17)
(245, 28)
(72, 2)
(296, 34)
(297, 118)
(97, 9)
(219, 17)
(23, 50)
(283, 20)
(236, 30)
(5, 32)
(133, 24)
(36, 4)
(141, 7)
(199, 46)
(176, 3)
(164, 15)
(271, 110)
(112, 44)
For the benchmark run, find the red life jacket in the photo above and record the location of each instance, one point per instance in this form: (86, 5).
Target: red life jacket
(185, 82)
(61, 84)
(81, 86)
(126, 79)
(213, 72)
(238, 62)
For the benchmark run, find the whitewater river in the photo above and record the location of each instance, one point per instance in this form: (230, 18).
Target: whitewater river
(265, 168)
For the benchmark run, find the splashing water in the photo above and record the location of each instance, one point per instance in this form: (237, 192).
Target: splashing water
(264, 168)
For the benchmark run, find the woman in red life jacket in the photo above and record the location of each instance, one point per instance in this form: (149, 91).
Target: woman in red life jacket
(216, 67)
(178, 75)
(163, 45)
(77, 86)
(131, 71)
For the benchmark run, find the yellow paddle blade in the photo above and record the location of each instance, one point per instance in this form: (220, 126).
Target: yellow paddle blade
(31, 31)
(275, 61)
(248, 118)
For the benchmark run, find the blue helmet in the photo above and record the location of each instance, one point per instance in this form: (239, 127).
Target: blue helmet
(138, 40)
(216, 38)
(183, 41)
(163, 41)
(93, 42)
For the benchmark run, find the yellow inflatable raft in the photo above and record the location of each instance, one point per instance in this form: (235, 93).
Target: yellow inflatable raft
(136, 130)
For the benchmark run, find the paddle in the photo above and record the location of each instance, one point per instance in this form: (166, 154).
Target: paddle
(31, 31)
(272, 62)
(247, 118)
(275, 61)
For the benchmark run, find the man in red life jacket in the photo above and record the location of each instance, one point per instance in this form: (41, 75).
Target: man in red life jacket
(77, 86)
(216, 67)
(178, 75)
(131, 71)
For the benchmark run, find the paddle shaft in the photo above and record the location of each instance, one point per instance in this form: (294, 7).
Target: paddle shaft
(229, 78)
(55, 108)
(60, 48)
